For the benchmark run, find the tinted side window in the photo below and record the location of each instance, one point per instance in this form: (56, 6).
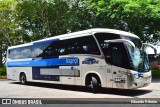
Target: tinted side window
(26, 52)
(20, 53)
(54, 49)
(10, 53)
(106, 36)
(87, 45)
(37, 50)
(101, 37)
(81, 45)
(14, 53)
(118, 53)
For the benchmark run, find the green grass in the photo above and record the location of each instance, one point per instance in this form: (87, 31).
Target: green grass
(156, 73)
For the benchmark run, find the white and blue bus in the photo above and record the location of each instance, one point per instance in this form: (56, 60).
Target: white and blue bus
(95, 57)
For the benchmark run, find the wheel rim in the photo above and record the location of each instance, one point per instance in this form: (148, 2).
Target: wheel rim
(91, 84)
(23, 79)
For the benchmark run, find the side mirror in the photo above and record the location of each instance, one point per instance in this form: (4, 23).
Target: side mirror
(156, 57)
(150, 45)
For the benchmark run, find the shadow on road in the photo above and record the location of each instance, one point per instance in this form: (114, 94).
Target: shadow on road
(126, 92)
(121, 92)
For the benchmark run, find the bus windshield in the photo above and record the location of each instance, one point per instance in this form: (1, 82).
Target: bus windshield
(123, 56)
(138, 57)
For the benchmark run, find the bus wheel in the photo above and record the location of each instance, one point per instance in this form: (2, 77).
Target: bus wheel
(95, 85)
(23, 78)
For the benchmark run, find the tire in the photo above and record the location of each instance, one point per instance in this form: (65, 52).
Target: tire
(95, 85)
(23, 79)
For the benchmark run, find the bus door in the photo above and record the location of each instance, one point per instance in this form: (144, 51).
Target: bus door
(117, 59)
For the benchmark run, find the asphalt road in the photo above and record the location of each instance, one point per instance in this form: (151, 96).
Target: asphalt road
(12, 89)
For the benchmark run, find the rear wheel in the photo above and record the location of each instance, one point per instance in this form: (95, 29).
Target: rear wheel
(23, 79)
(95, 85)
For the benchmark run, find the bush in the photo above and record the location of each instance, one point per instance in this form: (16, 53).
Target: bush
(156, 73)
(3, 71)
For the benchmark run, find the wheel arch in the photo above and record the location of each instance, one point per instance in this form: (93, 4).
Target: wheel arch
(88, 76)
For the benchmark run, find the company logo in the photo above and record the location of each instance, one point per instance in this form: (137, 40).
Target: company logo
(72, 61)
(21, 101)
(6, 101)
(90, 61)
(140, 74)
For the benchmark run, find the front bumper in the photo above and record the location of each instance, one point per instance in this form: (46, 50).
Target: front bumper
(141, 81)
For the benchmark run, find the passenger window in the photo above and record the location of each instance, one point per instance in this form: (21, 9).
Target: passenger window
(10, 53)
(87, 45)
(37, 50)
(81, 45)
(101, 37)
(26, 52)
(14, 53)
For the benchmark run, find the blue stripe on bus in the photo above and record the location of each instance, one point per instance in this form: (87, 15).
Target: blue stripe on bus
(46, 41)
(70, 61)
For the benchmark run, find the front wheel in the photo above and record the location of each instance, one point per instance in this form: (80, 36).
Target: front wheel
(23, 79)
(95, 85)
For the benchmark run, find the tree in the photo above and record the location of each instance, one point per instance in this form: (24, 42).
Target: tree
(141, 17)
(45, 18)
(42, 18)
(80, 17)
(8, 28)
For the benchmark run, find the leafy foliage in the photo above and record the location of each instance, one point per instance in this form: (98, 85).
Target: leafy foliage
(141, 17)
(8, 32)
(43, 18)
(3, 71)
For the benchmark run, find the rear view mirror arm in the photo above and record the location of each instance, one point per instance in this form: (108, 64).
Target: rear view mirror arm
(121, 40)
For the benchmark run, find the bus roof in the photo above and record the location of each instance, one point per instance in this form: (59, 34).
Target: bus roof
(79, 34)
